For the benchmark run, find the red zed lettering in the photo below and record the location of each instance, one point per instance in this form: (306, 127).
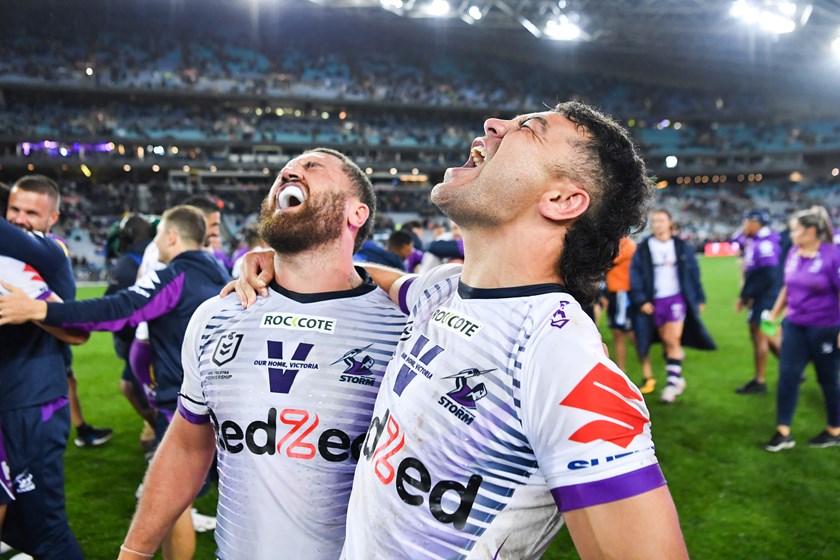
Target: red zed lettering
(607, 393)
(381, 466)
(297, 449)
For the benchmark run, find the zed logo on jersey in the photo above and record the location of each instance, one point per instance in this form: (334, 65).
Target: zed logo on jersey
(463, 396)
(412, 479)
(226, 348)
(357, 371)
(607, 394)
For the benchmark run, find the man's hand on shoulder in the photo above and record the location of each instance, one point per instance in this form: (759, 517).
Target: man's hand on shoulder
(257, 271)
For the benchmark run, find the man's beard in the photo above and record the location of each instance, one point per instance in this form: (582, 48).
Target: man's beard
(318, 223)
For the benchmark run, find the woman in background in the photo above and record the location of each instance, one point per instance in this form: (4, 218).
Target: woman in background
(811, 294)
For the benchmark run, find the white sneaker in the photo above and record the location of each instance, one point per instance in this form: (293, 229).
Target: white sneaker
(21, 556)
(673, 389)
(202, 523)
(4, 548)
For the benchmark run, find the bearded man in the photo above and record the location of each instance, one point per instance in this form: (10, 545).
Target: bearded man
(284, 390)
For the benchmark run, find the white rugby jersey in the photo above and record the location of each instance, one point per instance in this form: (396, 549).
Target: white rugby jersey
(289, 386)
(498, 406)
(23, 276)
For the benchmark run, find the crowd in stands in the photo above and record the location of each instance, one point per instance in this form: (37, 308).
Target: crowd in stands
(702, 214)
(336, 61)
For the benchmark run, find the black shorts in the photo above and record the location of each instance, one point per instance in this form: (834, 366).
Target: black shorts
(618, 311)
(758, 307)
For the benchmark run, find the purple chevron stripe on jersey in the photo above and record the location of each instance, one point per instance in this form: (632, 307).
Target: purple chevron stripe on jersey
(402, 302)
(192, 417)
(280, 380)
(612, 489)
(162, 302)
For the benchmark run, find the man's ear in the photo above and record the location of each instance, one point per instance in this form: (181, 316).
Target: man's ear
(566, 202)
(358, 215)
(54, 218)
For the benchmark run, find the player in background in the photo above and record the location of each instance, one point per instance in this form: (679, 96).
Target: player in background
(33, 381)
(166, 299)
(134, 235)
(500, 410)
(811, 328)
(618, 305)
(762, 280)
(284, 390)
(668, 296)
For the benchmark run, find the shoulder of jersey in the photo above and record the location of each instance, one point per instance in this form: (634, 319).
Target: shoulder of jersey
(216, 304)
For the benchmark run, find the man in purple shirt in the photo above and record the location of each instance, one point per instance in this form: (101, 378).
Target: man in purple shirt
(811, 329)
(761, 283)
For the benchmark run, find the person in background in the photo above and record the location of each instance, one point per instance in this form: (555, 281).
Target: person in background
(762, 281)
(618, 304)
(811, 327)
(668, 298)
(135, 234)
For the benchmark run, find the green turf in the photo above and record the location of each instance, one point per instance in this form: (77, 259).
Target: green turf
(735, 500)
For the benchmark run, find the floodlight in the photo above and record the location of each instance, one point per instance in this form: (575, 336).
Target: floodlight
(438, 8)
(671, 162)
(474, 12)
(562, 29)
(775, 23)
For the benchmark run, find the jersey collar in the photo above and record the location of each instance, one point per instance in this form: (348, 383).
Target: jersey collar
(468, 292)
(365, 287)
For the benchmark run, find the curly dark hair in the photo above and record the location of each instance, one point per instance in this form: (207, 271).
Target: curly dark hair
(620, 193)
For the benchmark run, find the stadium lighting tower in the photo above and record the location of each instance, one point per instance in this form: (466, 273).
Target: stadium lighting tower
(772, 16)
(562, 28)
(438, 8)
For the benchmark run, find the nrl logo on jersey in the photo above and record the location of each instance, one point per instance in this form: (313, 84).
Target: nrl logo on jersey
(357, 366)
(226, 348)
(459, 324)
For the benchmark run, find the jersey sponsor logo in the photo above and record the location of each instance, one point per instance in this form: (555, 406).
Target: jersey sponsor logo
(226, 348)
(558, 318)
(357, 371)
(294, 322)
(282, 372)
(411, 478)
(291, 433)
(24, 482)
(459, 324)
(414, 362)
(464, 396)
(608, 394)
(578, 464)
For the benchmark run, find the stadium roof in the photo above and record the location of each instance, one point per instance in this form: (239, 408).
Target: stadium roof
(691, 42)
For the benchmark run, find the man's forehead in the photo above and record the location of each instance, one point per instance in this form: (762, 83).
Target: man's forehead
(320, 157)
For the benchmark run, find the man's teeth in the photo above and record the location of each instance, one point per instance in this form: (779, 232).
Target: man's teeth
(290, 196)
(478, 154)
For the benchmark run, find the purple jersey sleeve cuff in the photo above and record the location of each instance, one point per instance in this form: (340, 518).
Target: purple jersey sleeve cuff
(609, 490)
(44, 296)
(192, 417)
(402, 295)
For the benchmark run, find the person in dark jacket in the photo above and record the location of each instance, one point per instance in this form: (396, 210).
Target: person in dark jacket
(762, 252)
(167, 299)
(668, 298)
(135, 233)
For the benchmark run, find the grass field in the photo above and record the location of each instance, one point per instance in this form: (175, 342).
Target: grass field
(735, 500)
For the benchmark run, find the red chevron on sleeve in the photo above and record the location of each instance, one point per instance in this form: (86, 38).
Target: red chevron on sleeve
(607, 393)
